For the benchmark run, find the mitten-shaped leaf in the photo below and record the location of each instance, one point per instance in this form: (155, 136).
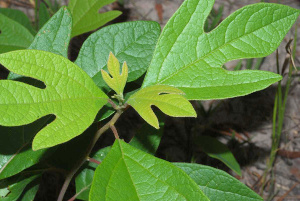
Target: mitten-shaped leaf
(168, 99)
(127, 173)
(118, 81)
(70, 95)
(189, 59)
(86, 16)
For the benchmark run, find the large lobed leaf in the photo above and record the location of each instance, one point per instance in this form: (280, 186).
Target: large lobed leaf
(15, 142)
(189, 59)
(168, 99)
(130, 174)
(133, 42)
(217, 185)
(86, 16)
(70, 95)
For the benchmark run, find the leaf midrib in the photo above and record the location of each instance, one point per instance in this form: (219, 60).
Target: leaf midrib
(211, 52)
(123, 156)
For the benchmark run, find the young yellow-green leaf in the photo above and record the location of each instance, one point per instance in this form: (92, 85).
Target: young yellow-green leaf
(189, 59)
(86, 16)
(133, 42)
(13, 35)
(70, 95)
(118, 81)
(127, 173)
(168, 99)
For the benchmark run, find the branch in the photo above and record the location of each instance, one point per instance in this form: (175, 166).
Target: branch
(85, 157)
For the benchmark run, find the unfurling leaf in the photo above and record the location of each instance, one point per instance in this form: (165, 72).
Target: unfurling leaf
(168, 99)
(133, 42)
(70, 95)
(127, 173)
(86, 16)
(189, 59)
(118, 81)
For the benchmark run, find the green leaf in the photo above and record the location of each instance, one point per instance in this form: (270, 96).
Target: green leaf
(118, 81)
(30, 191)
(54, 36)
(13, 35)
(133, 42)
(189, 59)
(43, 15)
(147, 138)
(215, 149)
(168, 99)
(15, 186)
(85, 178)
(19, 17)
(70, 95)
(69, 154)
(130, 174)
(15, 148)
(217, 185)
(86, 16)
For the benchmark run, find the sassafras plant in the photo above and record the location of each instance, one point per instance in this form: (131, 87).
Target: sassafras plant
(182, 63)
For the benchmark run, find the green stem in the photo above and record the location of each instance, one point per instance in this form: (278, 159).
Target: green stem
(71, 174)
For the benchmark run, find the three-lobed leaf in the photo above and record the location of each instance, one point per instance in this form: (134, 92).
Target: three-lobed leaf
(217, 185)
(133, 42)
(118, 81)
(86, 16)
(189, 59)
(70, 95)
(130, 174)
(168, 99)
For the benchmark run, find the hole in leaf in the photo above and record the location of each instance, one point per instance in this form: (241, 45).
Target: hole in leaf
(0, 32)
(30, 81)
